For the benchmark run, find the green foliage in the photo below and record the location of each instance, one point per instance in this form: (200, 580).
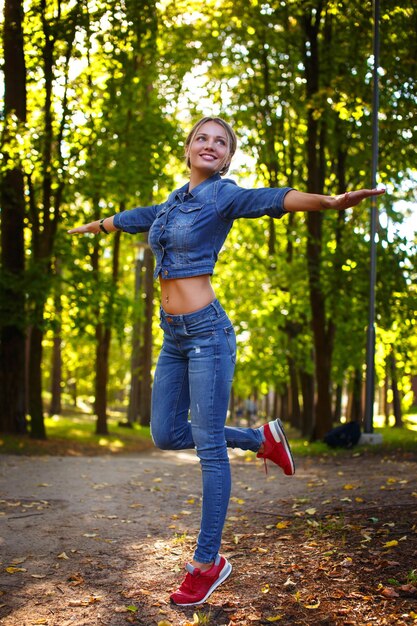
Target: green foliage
(126, 80)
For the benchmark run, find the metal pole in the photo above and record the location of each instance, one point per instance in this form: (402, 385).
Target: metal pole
(370, 347)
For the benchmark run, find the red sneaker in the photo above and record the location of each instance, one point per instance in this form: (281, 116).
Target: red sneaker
(276, 447)
(198, 585)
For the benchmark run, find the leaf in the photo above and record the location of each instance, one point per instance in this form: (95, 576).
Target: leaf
(283, 524)
(38, 575)
(15, 570)
(164, 622)
(274, 618)
(75, 580)
(265, 588)
(390, 544)
(132, 608)
(389, 592)
(410, 589)
(19, 561)
(348, 487)
(311, 511)
(63, 555)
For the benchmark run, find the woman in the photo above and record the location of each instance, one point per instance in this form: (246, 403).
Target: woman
(195, 368)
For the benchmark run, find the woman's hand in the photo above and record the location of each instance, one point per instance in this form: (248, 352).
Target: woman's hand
(349, 199)
(91, 227)
(105, 225)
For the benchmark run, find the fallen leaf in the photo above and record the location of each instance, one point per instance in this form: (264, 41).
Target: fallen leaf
(15, 570)
(390, 544)
(283, 524)
(274, 618)
(38, 575)
(85, 602)
(265, 588)
(63, 555)
(19, 561)
(75, 580)
(408, 589)
(311, 511)
(389, 592)
(348, 487)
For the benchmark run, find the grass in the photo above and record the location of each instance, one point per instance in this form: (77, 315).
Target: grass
(393, 440)
(74, 434)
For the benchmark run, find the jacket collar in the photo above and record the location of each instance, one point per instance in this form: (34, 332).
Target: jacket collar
(182, 193)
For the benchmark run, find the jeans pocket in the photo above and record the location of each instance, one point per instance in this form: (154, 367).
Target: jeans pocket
(229, 331)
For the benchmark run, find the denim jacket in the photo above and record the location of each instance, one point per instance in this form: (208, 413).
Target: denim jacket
(187, 231)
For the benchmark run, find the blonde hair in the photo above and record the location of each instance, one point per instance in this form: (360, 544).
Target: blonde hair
(231, 141)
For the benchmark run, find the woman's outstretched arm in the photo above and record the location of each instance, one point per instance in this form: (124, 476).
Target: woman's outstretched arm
(104, 226)
(300, 201)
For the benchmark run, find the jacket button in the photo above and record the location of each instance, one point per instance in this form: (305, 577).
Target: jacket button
(166, 273)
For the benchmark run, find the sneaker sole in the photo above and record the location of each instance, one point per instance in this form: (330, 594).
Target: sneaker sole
(277, 431)
(222, 577)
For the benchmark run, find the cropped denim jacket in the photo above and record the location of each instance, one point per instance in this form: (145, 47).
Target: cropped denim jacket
(187, 231)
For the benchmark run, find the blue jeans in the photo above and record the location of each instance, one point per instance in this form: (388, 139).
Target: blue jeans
(190, 398)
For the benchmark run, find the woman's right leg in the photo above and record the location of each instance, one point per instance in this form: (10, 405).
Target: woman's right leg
(170, 426)
(243, 438)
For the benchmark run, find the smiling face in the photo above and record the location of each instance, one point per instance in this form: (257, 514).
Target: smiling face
(209, 148)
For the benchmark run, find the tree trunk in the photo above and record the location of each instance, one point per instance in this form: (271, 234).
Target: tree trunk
(322, 332)
(337, 413)
(396, 397)
(386, 406)
(307, 415)
(37, 425)
(135, 363)
(103, 336)
(12, 194)
(295, 410)
(56, 406)
(146, 380)
(56, 378)
(45, 210)
(354, 412)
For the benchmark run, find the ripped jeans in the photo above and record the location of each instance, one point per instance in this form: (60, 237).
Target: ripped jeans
(190, 399)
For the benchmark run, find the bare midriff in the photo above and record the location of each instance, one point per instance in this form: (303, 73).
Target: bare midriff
(186, 295)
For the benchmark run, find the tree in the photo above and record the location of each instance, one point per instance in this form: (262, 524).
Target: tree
(12, 295)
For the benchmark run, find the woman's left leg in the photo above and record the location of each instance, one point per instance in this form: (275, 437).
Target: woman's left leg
(210, 371)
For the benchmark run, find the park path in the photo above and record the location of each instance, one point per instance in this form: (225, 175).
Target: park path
(82, 537)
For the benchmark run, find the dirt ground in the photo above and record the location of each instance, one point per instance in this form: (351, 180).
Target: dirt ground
(102, 540)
